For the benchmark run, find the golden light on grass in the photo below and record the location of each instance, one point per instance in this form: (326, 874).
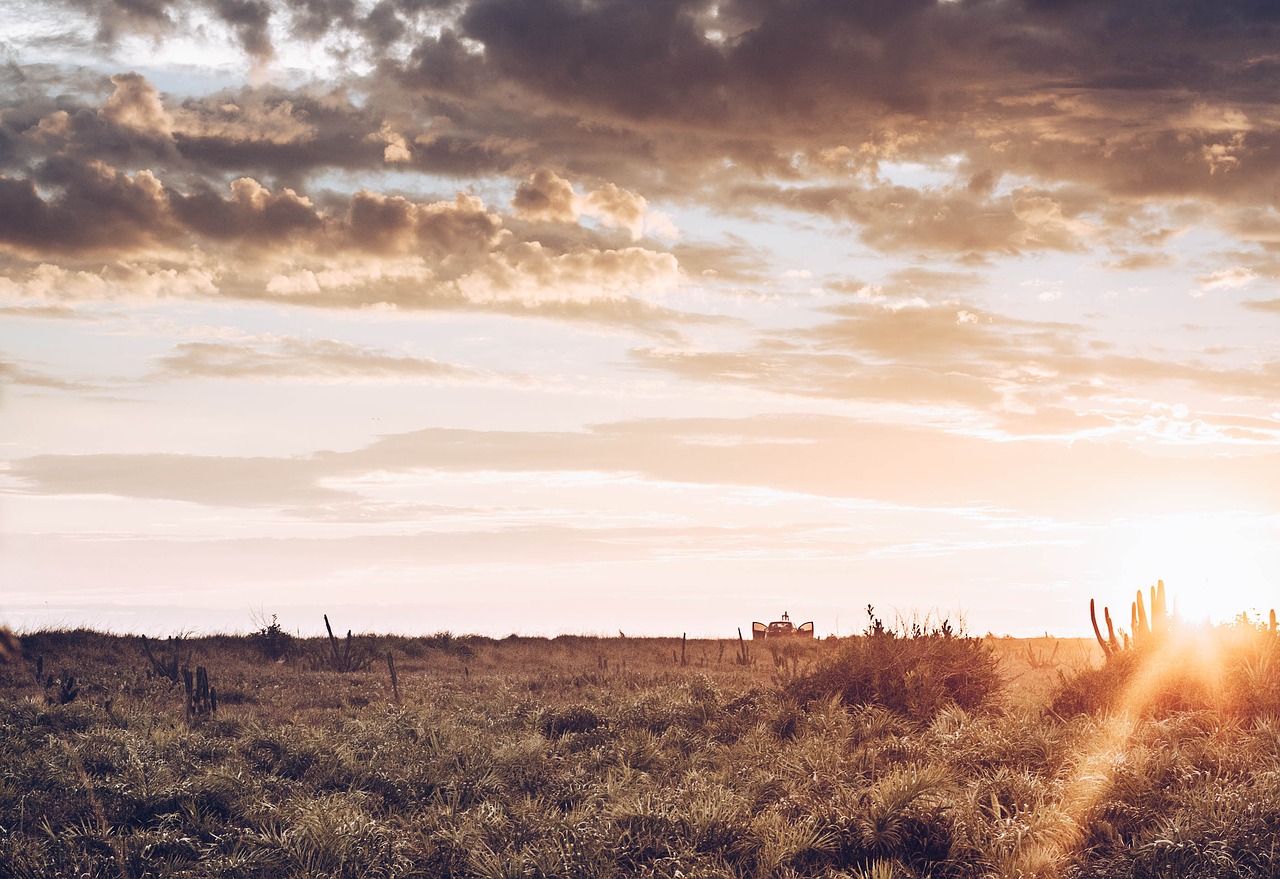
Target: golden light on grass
(1186, 663)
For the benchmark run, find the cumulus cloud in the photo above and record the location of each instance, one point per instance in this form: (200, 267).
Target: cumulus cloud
(547, 197)
(136, 104)
(55, 288)
(528, 272)
(251, 241)
(616, 207)
(396, 150)
(95, 208)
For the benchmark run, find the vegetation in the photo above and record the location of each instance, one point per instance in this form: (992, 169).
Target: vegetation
(915, 670)
(907, 753)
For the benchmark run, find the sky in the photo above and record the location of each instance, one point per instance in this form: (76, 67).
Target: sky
(587, 316)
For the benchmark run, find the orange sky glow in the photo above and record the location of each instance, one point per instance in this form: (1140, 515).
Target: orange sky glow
(579, 316)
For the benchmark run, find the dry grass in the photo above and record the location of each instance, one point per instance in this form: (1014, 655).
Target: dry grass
(589, 757)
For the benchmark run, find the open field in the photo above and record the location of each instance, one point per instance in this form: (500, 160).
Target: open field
(583, 757)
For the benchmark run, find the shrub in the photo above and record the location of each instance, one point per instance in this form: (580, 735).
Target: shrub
(914, 671)
(273, 641)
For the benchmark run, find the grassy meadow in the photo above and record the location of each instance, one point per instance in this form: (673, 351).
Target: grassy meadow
(901, 753)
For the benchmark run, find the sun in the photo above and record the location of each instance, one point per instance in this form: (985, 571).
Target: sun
(1215, 566)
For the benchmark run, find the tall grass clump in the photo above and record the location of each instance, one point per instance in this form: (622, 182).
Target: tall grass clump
(914, 670)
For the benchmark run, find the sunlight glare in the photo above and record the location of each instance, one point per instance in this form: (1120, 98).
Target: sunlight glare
(1212, 565)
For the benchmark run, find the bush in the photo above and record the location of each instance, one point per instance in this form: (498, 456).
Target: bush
(274, 642)
(915, 671)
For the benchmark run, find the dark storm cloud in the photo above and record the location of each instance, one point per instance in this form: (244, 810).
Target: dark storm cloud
(252, 21)
(247, 19)
(1087, 91)
(93, 208)
(97, 208)
(368, 249)
(1053, 125)
(286, 135)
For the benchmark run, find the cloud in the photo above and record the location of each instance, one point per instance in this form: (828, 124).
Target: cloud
(947, 219)
(682, 92)
(292, 358)
(397, 148)
(48, 287)
(16, 374)
(248, 19)
(255, 118)
(1231, 278)
(616, 207)
(1016, 377)
(98, 208)
(136, 104)
(528, 272)
(388, 224)
(547, 197)
(215, 481)
(821, 457)
(251, 215)
(431, 252)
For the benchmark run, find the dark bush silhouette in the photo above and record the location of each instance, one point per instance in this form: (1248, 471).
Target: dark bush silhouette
(274, 642)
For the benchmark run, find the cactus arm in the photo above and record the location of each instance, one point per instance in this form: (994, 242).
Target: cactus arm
(1097, 633)
(1111, 630)
(1164, 607)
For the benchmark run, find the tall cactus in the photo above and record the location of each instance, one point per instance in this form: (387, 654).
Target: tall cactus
(1111, 644)
(1147, 630)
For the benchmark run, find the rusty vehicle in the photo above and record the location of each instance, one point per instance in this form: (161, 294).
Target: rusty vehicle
(782, 628)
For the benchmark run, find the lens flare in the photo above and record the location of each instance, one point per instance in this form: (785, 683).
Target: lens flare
(1216, 565)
